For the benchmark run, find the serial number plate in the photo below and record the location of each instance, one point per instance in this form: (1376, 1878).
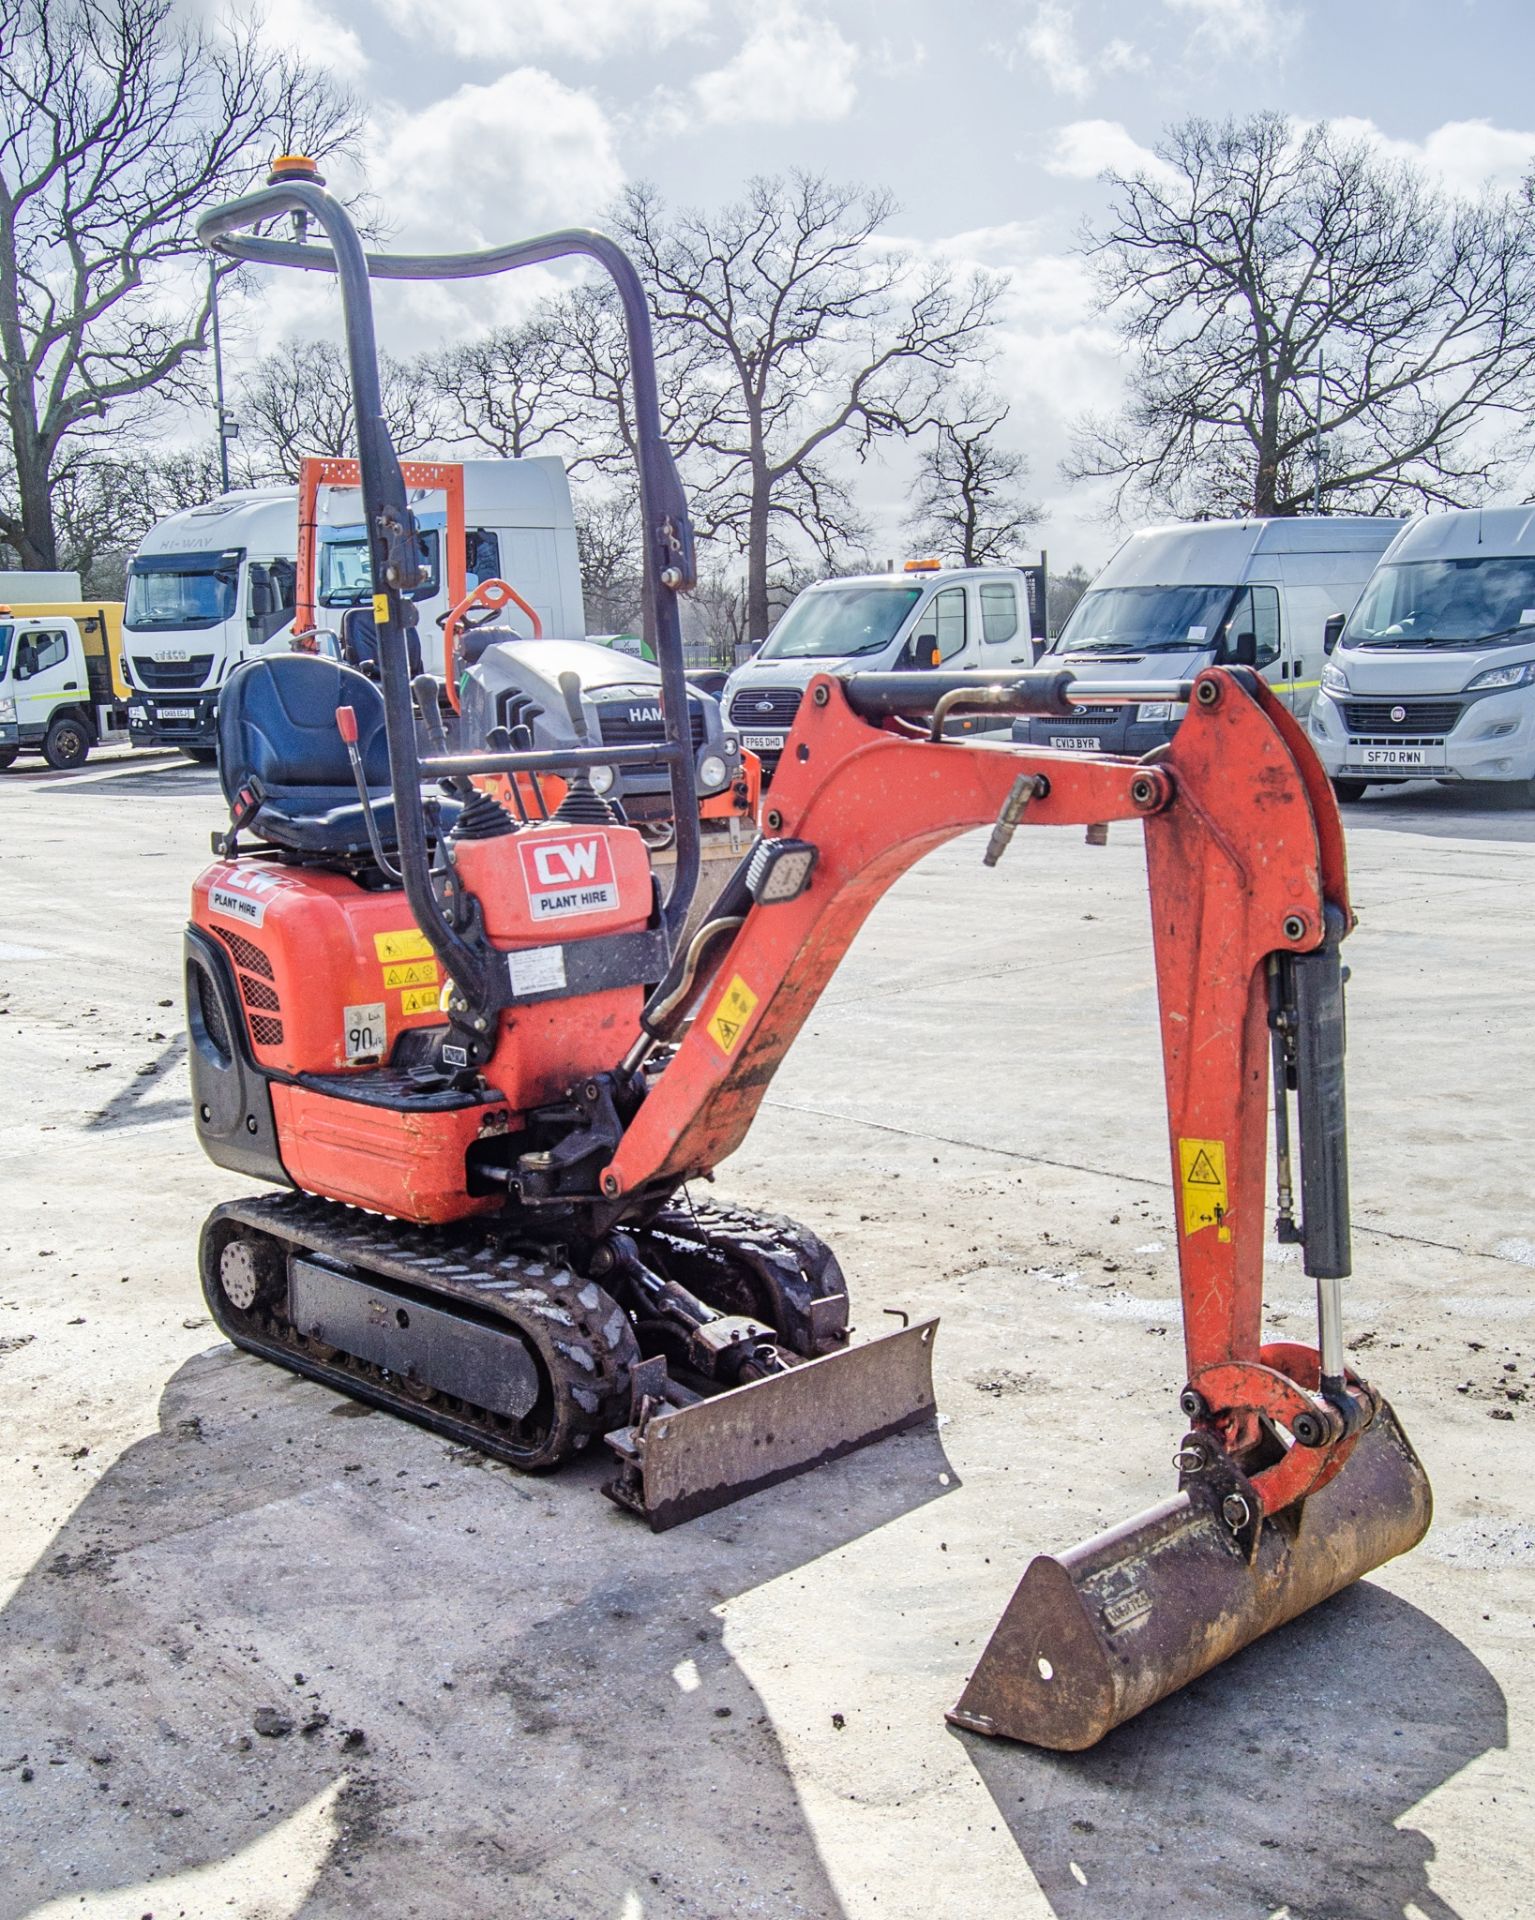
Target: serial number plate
(1401, 757)
(178, 713)
(763, 742)
(1076, 742)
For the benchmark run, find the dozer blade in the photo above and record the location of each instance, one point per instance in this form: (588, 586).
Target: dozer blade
(678, 1462)
(1099, 1634)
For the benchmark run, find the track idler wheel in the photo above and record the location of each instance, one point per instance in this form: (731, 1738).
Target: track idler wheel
(1096, 1635)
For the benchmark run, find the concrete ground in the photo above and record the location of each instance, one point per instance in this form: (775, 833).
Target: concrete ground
(505, 1699)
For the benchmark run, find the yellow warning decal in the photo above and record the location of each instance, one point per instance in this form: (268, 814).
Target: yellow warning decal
(1202, 1176)
(418, 1000)
(731, 1015)
(381, 608)
(410, 943)
(412, 973)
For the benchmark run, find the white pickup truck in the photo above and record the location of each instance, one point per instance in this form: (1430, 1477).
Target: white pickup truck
(925, 616)
(61, 685)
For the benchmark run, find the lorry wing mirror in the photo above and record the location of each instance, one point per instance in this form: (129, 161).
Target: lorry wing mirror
(263, 594)
(1332, 630)
(920, 651)
(1244, 650)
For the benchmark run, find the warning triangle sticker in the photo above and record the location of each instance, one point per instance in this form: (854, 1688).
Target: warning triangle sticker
(1202, 1173)
(727, 1030)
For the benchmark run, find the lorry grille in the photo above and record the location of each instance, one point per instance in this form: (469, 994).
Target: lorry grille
(627, 723)
(765, 707)
(155, 675)
(1431, 717)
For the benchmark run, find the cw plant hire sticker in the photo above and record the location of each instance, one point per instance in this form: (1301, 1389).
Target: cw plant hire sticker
(728, 1021)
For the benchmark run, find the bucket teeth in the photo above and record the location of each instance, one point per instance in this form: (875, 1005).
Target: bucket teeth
(1100, 1633)
(678, 1461)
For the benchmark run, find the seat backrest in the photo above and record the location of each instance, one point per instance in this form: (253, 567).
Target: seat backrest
(277, 720)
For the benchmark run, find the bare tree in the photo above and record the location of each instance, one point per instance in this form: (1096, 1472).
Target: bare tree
(608, 539)
(814, 336)
(299, 401)
(118, 124)
(511, 393)
(1064, 591)
(104, 502)
(969, 499)
(1309, 323)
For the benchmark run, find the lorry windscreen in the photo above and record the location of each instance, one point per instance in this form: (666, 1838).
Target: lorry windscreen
(170, 592)
(1145, 620)
(5, 648)
(840, 622)
(346, 573)
(1445, 603)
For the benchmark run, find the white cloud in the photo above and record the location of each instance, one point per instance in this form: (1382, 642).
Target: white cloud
(492, 162)
(1247, 28)
(493, 30)
(1050, 40)
(299, 27)
(1465, 155)
(1049, 44)
(791, 66)
(1086, 148)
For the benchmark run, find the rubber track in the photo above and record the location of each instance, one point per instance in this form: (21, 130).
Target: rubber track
(577, 1332)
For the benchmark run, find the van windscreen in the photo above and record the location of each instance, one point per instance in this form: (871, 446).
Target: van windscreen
(840, 622)
(1445, 603)
(1144, 620)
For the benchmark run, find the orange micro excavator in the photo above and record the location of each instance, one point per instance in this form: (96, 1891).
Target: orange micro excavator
(485, 1055)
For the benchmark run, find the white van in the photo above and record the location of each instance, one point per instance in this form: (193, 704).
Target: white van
(1434, 674)
(1174, 600)
(927, 615)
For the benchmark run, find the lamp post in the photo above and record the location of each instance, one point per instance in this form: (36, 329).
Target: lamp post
(227, 428)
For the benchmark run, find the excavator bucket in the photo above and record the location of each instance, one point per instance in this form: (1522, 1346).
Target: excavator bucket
(1096, 1635)
(678, 1461)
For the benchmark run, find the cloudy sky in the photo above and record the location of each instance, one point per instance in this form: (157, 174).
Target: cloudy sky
(491, 119)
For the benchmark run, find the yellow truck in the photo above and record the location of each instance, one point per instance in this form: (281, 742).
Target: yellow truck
(62, 688)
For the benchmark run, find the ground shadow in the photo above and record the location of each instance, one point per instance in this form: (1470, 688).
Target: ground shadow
(523, 1693)
(1345, 1719)
(1500, 810)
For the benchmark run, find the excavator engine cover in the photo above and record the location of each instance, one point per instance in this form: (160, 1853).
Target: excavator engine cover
(1094, 1636)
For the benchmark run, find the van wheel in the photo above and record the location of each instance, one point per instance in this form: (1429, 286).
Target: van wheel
(1348, 791)
(66, 743)
(204, 756)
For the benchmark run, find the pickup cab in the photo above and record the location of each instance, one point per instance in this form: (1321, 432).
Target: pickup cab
(61, 686)
(926, 616)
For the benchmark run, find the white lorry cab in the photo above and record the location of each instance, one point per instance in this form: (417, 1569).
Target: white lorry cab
(1433, 676)
(519, 526)
(208, 588)
(1174, 600)
(928, 615)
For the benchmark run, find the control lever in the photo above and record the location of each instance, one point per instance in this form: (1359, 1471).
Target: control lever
(522, 742)
(427, 692)
(346, 726)
(570, 687)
